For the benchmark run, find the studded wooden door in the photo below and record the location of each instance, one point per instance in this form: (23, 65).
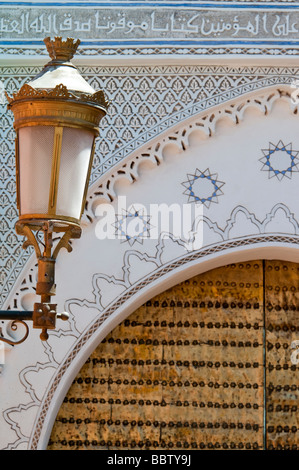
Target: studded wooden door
(205, 365)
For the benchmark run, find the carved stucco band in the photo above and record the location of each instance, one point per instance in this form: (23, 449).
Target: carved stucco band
(174, 51)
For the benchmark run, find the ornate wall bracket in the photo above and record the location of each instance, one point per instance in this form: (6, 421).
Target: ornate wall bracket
(44, 313)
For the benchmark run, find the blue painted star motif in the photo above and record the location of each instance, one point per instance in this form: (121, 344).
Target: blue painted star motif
(132, 226)
(280, 160)
(203, 187)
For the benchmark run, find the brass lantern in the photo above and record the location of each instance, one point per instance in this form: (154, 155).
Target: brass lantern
(56, 119)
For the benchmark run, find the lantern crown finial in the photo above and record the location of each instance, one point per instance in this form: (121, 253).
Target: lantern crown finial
(62, 50)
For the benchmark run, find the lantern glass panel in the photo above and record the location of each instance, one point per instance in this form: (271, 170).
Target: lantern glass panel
(35, 163)
(74, 164)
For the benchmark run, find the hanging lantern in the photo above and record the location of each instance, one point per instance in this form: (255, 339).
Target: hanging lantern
(56, 119)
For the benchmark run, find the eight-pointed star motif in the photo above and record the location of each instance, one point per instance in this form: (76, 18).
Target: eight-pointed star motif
(132, 226)
(203, 187)
(280, 160)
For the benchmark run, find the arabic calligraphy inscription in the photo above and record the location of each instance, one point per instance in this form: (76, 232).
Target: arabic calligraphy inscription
(148, 24)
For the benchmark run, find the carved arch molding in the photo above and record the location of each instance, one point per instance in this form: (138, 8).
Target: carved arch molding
(245, 154)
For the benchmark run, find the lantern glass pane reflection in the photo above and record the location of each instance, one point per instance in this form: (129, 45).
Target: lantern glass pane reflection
(39, 160)
(35, 157)
(74, 163)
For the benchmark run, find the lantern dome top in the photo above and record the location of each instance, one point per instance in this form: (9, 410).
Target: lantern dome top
(60, 79)
(60, 71)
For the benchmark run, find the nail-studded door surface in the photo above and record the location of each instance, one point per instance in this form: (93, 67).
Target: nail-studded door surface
(207, 364)
(281, 303)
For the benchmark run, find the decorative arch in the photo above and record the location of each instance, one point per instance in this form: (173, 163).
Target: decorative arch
(177, 138)
(155, 283)
(222, 341)
(131, 274)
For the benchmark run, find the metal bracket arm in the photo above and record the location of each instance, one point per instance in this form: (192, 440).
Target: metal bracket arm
(20, 317)
(45, 312)
(17, 317)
